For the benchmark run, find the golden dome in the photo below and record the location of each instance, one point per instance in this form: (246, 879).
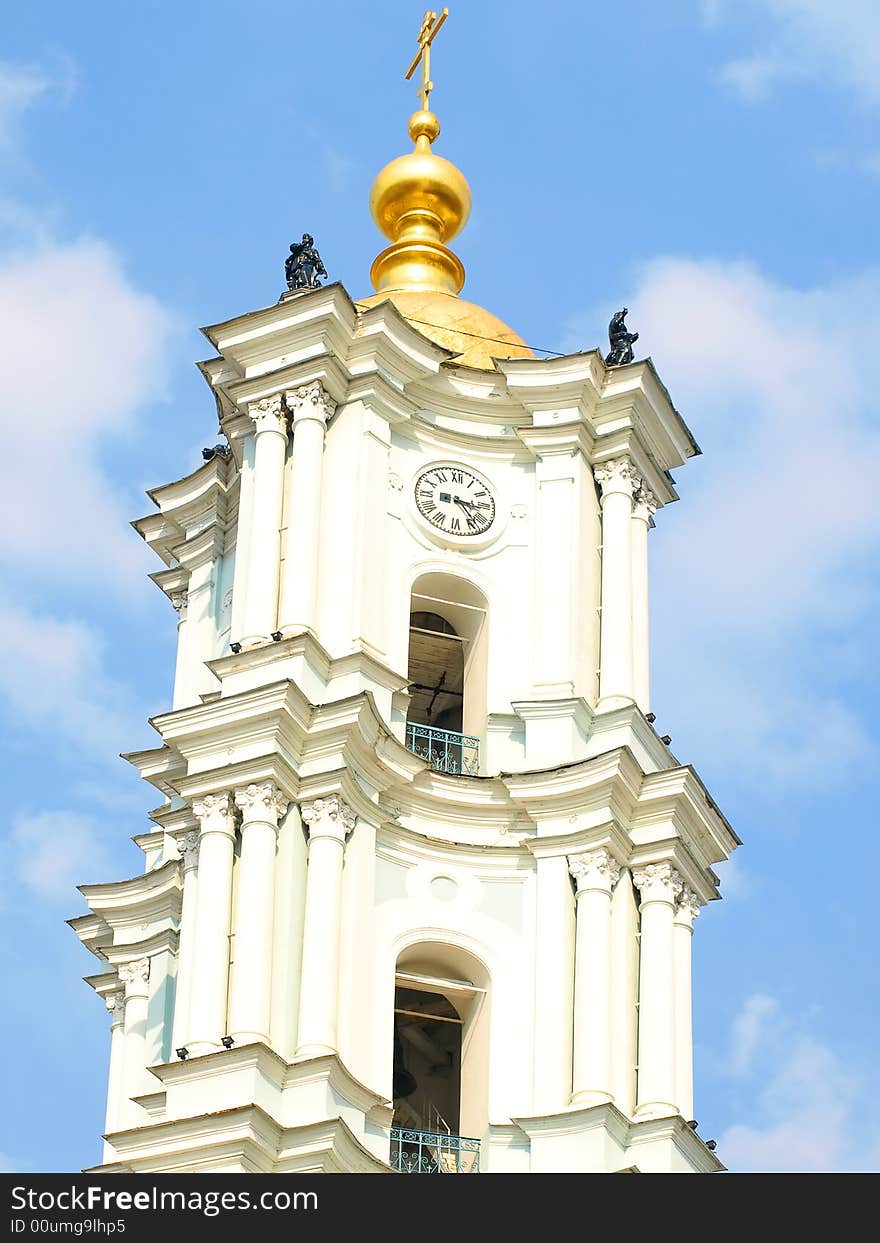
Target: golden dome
(469, 330)
(420, 202)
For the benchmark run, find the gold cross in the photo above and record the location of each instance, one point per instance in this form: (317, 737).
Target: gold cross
(431, 24)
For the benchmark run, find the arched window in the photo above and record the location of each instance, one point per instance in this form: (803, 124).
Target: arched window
(447, 672)
(440, 1060)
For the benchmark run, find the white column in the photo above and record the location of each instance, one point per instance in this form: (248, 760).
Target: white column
(658, 884)
(554, 985)
(115, 1002)
(330, 821)
(188, 848)
(310, 407)
(644, 506)
(242, 538)
(250, 999)
(136, 978)
(616, 633)
(264, 545)
(595, 873)
(687, 908)
(210, 961)
(180, 697)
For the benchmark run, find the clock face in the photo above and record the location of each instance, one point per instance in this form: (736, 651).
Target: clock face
(455, 500)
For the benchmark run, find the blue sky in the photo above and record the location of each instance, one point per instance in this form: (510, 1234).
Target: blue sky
(716, 166)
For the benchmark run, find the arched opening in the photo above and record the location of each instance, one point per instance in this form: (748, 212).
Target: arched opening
(447, 672)
(440, 1060)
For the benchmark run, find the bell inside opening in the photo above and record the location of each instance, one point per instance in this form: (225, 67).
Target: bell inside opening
(427, 1062)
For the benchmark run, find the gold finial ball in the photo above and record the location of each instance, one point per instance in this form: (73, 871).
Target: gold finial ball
(421, 193)
(424, 123)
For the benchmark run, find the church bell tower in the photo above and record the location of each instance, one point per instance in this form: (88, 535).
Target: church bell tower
(420, 890)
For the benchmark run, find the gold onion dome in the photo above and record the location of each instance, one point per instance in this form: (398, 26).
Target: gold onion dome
(420, 202)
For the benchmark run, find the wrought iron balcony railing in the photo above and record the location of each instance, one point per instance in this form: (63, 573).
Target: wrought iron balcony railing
(433, 1152)
(445, 750)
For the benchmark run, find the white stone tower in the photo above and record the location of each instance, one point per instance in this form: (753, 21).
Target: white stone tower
(420, 890)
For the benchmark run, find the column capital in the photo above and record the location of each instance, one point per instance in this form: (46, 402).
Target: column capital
(268, 414)
(309, 401)
(657, 882)
(687, 907)
(264, 802)
(135, 976)
(617, 475)
(645, 503)
(594, 869)
(188, 849)
(178, 600)
(115, 1003)
(215, 814)
(328, 817)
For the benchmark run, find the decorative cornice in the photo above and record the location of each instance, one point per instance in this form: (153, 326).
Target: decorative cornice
(595, 869)
(135, 975)
(215, 813)
(328, 817)
(309, 401)
(617, 475)
(657, 882)
(265, 802)
(267, 414)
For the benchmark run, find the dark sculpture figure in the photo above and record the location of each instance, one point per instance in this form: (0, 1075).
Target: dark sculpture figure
(303, 265)
(621, 340)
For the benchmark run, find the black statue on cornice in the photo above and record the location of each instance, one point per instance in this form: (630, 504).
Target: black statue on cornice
(621, 340)
(303, 265)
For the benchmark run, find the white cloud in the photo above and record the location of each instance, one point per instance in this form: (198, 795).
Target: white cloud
(809, 1112)
(81, 351)
(55, 850)
(737, 884)
(760, 592)
(749, 1027)
(804, 39)
(57, 685)
(22, 87)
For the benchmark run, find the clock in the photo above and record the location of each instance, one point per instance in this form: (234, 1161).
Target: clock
(455, 500)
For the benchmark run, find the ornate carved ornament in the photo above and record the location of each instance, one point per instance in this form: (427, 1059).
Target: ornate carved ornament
(115, 1003)
(178, 600)
(268, 414)
(264, 802)
(188, 848)
(617, 475)
(645, 503)
(594, 869)
(328, 817)
(687, 906)
(135, 975)
(215, 813)
(658, 882)
(309, 401)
